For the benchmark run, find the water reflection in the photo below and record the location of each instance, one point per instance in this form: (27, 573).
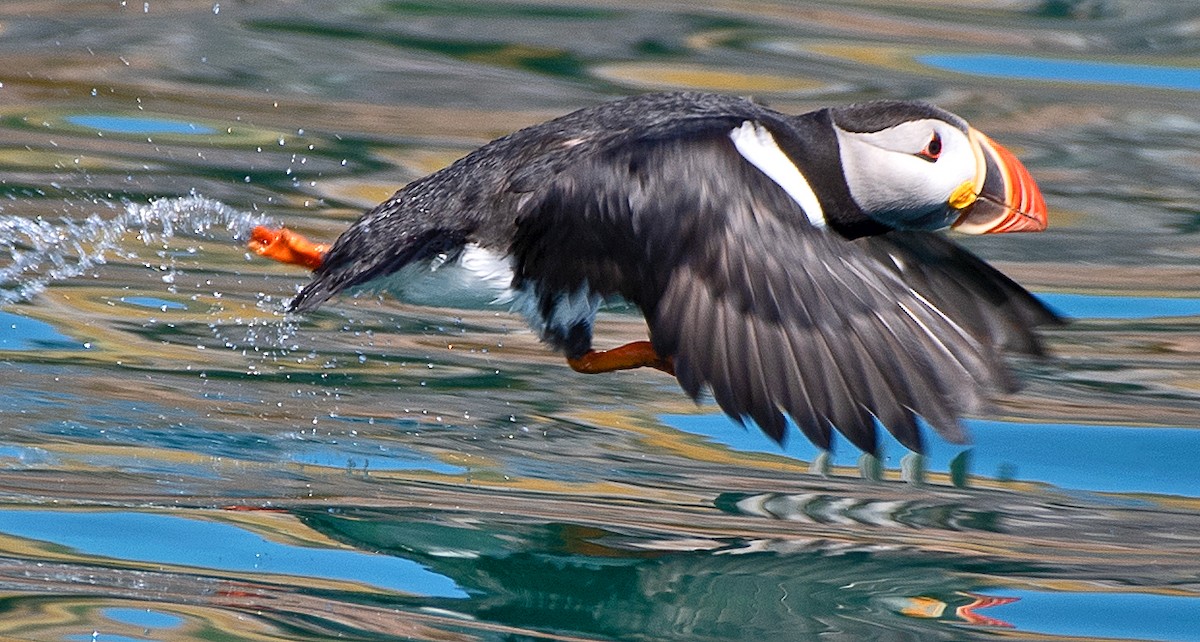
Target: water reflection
(146, 618)
(156, 538)
(594, 581)
(152, 624)
(1091, 306)
(153, 303)
(137, 125)
(1109, 459)
(409, 472)
(1075, 71)
(614, 585)
(20, 333)
(1124, 615)
(363, 456)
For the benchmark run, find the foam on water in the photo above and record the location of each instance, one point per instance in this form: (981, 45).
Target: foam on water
(37, 252)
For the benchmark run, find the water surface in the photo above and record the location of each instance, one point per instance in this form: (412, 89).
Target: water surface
(179, 460)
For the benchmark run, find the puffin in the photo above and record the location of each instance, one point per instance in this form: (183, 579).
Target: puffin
(792, 266)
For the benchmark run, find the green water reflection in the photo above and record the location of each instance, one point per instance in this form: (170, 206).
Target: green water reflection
(564, 577)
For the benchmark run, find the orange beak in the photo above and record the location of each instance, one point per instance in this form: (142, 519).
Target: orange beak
(1006, 199)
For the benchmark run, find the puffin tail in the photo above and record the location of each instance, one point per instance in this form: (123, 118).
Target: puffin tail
(375, 246)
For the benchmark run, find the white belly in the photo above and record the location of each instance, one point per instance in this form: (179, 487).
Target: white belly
(475, 278)
(478, 278)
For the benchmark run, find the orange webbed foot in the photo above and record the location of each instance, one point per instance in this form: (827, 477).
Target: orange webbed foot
(639, 354)
(286, 246)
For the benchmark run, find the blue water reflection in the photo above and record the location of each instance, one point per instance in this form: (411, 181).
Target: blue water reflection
(1078, 71)
(156, 538)
(1084, 457)
(22, 333)
(1071, 456)
(1132, 616)
(1091, 306)
(137, 125)
(153, 302)
(367, 457)
(102, 637)
(24, 455)
(145, 618)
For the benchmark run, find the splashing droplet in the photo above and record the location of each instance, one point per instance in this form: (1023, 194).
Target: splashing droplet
(37, 252)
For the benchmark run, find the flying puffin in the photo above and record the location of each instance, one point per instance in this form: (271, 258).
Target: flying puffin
(788, 264)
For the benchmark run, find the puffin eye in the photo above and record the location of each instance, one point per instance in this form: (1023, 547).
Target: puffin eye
(933, 149)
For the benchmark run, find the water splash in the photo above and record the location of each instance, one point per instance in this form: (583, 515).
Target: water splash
(40, 252)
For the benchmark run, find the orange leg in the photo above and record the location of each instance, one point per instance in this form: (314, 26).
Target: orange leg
(638, 354)
(286, 246)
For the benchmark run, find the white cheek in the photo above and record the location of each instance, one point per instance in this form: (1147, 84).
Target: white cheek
(886, 181)
(880, 181)
(955, 166)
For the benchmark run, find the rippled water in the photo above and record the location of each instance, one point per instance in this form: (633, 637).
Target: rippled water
(181, 461)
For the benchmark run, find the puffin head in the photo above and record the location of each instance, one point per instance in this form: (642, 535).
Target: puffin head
(913, 166)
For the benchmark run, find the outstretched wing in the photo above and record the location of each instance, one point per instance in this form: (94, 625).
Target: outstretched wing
(990, 305)
(774, 312)
(812, 325)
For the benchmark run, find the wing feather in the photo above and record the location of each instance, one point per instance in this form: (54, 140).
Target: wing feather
(771, 314)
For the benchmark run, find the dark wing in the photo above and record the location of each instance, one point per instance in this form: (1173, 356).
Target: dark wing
(825, 333)
(773, 314)
(993, 307)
